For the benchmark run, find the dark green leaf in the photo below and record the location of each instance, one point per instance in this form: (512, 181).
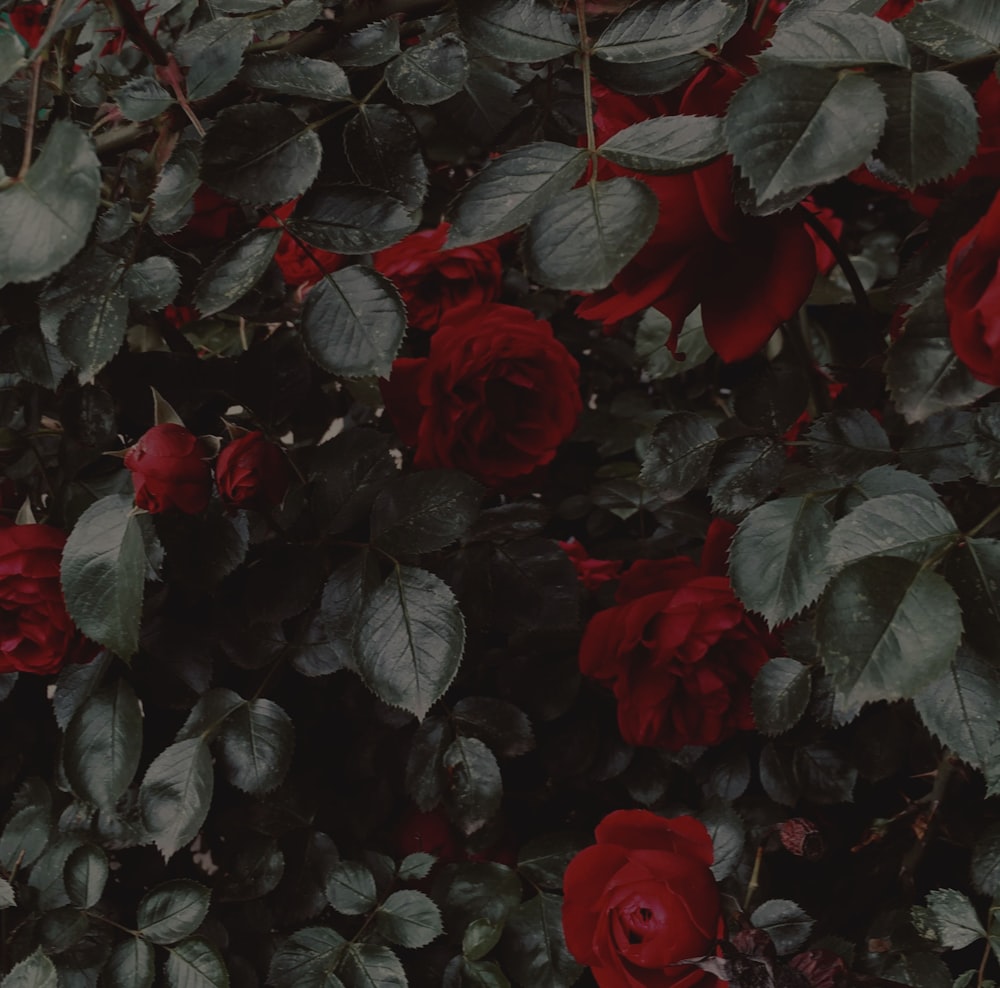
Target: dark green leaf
(986, 861)
(502, 726)
(777, 559)
(195, 963)
(85, 875)
(103, 574)
(835, 40)
(728, 834)
(425, 511)
(255, 746)
(780, 695)
(920, 969)
(651, 345)
(415, 867)
(481, 974)
(886, 628)
(534, 949)
(511, 189)
(484, 890)
(648, 78)
(792, 128)
(651, 31)
(152, 284)
(296, 75)
(179, 180)
(353, 323)
(343, 598)
(12, 52)
(308, 959)
(260, 153)
(724, 773)
(785, 922)
(176, 793)
(823, 775)
(253, 867)
(7, 896)
(27, 832)
(426, 779)
(350, 888)
(515, 30)
(480, 937)
(103, 745)
(743, 473)
(409, 918)
(584, 237)
(131, 965)
(409, 640)
(429, 72)
(679, 454)
(352, 219)
(172, 911)
(35, 971)
(213, 53)
(295, 16)
(93, 332)
(46, 217)
(953, 30)
(382, 147)
(47, 875)
(848, 443)
(943, 447)
(301, 895)
(235, 271)
(75, 684)
(666, 145)
(954, 917)
(371, 45)
(143, 98)
(543, 859)
(475, 788)
(973, 570)
(366, 965)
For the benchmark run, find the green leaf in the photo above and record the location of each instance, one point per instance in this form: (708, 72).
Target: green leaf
(308, 959)
(941, 448)
(255, 746)
(543, 859)
(176, 793)
(425, 511)
(515, 30)
(353, 323)
(383, 150)
(213, 53)
(886, 628)
(344, 595)
(785, 922)
(178, 182)
(350, 888)
(35, 971)
(511, 189)
(848, 443)
(12, 52)
(295, 16)
(475, 788)
(103, 574)
(415, 867)
(195, 963)
(172, 911)
(131, 965)
(409, 918)
(728, 833)
(962, 708)
(143, 98)
(28, 830)
(409, 640)
(584, 237)
(75, 684)
(103, 745)
(905, 525)
(371, 45)
(7, 896)
(777, 559)
(235, 271)
(426, 780)
(651, 345)
(793, 128)
(366, 965)
(352, 219)
(46, 217)
(666, 145)
(481, 974)
(92, 333)
(679, 455)
(932, 126)
(85, 875)
(986, 861)
(780, 695)
(152, 284)
(835, 40)
(296, 75)
(533, 949)
(953, 30)
(429, 72)
(648, 78)
(973, 570)
(260, 153)
(504, 727)
(955, 919)
(647, 32)
(480, 937)
(481, 890)
(743, 473)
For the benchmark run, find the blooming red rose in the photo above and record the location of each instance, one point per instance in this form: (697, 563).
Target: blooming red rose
(643, 899)
(972, 297)
(170, 469)
(252, 472)
(679, 651)
(28, 19)
(592, 573)
(298, 265)
(495, 397)
(36, 633)
(433, 281)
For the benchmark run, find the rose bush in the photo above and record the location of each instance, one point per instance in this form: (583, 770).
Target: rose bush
(679, 650)
(252, 472)
(496, 395)
(642, 900)
(170, 469)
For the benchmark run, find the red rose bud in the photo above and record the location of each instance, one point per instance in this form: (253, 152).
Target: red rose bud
(170, 469)
(592, 573)
(802, 838)
(28, 20)
(252, 472)
(821, 968)
(36, 632)
(643, 899)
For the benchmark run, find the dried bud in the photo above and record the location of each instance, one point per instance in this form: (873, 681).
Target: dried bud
(802, 838)
(821, 968)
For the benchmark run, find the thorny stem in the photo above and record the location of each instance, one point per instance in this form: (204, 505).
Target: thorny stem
(981, 973)
(933, 800)
(754, 882)
(588, 95)
(29, 127)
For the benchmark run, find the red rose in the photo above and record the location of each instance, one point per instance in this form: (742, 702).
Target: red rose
(170, 469)
(496, 396)
(214, 218)
(894, 9)
(427, 833)
(28, 19)
(298, 265)
(36, 633)
(821, 968)
(592, 573)
(643, 899)
(679, 651)
(433, 281)
(972, 296)
(252, 472)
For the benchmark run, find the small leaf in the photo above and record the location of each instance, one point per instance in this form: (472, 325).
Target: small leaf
(475, 788)
(955, 919)
(213, 53)
(235, 271)
(172, 911)
(350, 888)
(430, 71)
(679, 454)
(480, 937)
(785, 922)
(296, 75)
(415, 867)
(143, 98)
(409, 918)
(666, 145)
(152, 284)
(85, 875)
(835, 40)
(515, 30)
(351, 219)
(195, 963)
(131, 965)
(255, 746)
(780, 695)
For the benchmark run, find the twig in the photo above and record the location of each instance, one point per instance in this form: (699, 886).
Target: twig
(29, 127)
(588, 96)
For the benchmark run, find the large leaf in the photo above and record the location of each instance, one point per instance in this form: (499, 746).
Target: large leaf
(584, 237)
(834, 40)
(973, 569)
(152, 284)
(954, 30)
(679, 455)
(93, 331)
(368, 965)
(793, 127)
(255, 746)
(195, 963)
(86, 875)
(35, 971)
(172, 911)
(848, 443)
(475, 787)
(213, 53)
(533, 949)
(235, 271)
(409, 918)
(131, 965)
(260, 153)
(308, 959)
(353, 323)
(46, 217)
(780, 695)
(103, 745)
(350, 888)
(352, 219)
(777, 562)
(666, 145)
(744, 472)
(103, 574)
(515, 30)
(511, 189)
(296, 75)
(409, 639)
(887, 628)
(176, 793)
(954, 917)
(429, 72)
(382, 147)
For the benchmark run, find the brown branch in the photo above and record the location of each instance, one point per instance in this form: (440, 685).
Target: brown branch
(135, 30)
